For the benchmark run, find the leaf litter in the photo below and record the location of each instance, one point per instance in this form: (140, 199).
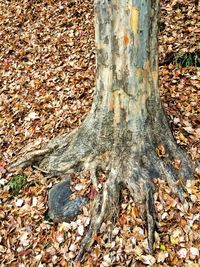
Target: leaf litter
(47, 63)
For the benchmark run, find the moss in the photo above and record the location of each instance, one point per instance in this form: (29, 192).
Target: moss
(17, 182)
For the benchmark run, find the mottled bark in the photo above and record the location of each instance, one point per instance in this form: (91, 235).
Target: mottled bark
(126, 133)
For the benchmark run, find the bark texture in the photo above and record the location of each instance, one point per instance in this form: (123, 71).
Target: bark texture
(126, 133)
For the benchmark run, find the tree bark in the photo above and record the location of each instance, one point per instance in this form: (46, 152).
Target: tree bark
(126, 133)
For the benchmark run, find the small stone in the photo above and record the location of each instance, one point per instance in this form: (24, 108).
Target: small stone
(61, 207)
(3, 181)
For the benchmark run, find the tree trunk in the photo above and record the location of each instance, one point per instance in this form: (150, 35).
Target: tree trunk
(126, 133)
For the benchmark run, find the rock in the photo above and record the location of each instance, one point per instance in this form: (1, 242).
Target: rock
(61, 208)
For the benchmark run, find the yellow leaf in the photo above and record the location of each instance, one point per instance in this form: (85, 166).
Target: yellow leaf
(162, 247)
(173, 240)
(182, 137)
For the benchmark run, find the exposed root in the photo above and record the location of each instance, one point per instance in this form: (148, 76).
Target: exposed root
(92, 147)
(104, 207)
(30, 158)
(63, 154)
(92, 167)
(150, 217)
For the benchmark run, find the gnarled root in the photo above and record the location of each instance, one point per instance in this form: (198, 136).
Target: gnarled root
(66, 153)
(105, 207)
(126, 162)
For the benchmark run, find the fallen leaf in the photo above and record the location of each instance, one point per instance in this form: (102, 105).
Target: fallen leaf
(80, 230)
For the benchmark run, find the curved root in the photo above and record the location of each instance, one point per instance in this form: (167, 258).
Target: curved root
(105, 207)
(64, 153)
(29, 158)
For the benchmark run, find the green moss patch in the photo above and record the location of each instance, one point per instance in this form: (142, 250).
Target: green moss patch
(16, 183)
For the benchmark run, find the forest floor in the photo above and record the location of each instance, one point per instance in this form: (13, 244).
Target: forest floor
(47, 80)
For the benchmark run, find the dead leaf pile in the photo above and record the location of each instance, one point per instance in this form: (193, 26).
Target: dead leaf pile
(179, 70)
(180, 94)
(179, 27)
(47, 70)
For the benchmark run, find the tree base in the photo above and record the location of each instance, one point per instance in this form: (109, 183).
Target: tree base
(130, 160)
